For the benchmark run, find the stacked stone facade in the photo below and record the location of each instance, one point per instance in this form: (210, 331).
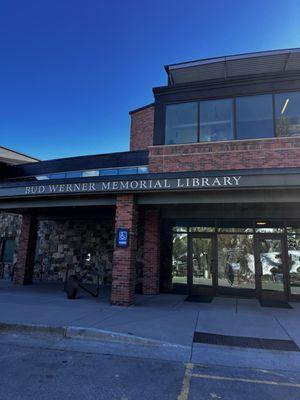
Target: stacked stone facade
(65, 243)
(68, 243)
(10, 225)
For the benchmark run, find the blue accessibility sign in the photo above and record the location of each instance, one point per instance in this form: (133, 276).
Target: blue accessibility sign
(122, 237)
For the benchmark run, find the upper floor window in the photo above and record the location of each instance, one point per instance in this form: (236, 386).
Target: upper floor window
(287, 109)
(254, 117)
(216, 120)
(182, 123)
(245, 117)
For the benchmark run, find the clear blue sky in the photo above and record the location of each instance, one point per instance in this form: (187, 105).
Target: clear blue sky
(70, 70)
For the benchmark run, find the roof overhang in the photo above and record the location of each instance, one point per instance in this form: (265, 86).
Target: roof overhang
(228, 67)
(12, 157)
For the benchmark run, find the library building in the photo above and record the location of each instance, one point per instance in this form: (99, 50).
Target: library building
(205, 203)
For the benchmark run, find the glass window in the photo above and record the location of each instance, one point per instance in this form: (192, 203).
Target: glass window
(90, 173)
(216, 121)
(294, 262)
(293, 227)
(182, 123)
(236, 230)
(269, 226)
(202, 229)
(8, 250)
(127, 171)
(201, 260)
(179, 260)
(74, 174)
(254, 117)
(107, 172)
(235, 226)
(143, 170)
(287, 109)
(236, 265)
(180, 229)
(42, 177)
(59, 175)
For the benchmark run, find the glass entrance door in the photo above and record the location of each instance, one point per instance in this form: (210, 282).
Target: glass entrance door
(271, 266)
(201, 271)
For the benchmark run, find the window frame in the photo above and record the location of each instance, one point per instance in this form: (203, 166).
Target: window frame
(4, 241)
(197, 102)
(234, 115)
(273, 116)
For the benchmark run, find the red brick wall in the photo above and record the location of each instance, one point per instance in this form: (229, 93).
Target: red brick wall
(141, 129)
(239, 154)
(151, 252)
(124, 271)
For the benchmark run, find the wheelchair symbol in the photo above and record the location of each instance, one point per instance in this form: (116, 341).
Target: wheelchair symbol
(123, 236)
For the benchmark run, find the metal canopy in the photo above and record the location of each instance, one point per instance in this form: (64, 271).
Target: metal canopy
(268, 62)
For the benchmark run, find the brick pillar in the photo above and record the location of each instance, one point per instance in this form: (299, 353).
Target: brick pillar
(26, 250)
(124, 259)
(151, 252)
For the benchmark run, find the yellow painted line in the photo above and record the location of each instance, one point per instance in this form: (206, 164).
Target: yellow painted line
(184, 394)
(227, 378)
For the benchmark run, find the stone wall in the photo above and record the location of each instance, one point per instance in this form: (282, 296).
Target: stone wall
(9, 225)
(9, 229)
(63, 243)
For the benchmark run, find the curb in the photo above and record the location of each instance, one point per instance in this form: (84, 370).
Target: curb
(81, 333)
(32, 328)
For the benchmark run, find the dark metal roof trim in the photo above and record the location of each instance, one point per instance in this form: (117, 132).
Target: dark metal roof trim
(111, 160)
(166, 175)
(265, 62)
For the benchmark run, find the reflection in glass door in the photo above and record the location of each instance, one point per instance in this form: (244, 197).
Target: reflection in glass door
(236, 267)
(293, 242)
(179, 262)
(201, 263)
(270, 265)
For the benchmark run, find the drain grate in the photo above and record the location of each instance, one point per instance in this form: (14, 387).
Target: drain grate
(242, 341)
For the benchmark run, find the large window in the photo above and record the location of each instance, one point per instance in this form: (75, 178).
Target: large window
(254, 117)
(245, 117)
(8, 250)
(287, 109)
(182, 123)
(216, 120)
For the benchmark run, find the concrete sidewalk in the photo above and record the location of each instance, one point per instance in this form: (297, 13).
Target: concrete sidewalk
(165, 318)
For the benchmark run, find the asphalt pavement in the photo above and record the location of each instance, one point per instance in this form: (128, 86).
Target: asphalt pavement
(36, 368)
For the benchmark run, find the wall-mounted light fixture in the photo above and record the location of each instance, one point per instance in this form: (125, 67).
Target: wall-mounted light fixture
(285, 106)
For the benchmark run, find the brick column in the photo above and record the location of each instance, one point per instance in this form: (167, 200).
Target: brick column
(124, 259)
(151, 252)
(26, 250)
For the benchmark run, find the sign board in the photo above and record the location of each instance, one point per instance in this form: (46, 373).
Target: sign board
(122, 237)
(197, 182)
